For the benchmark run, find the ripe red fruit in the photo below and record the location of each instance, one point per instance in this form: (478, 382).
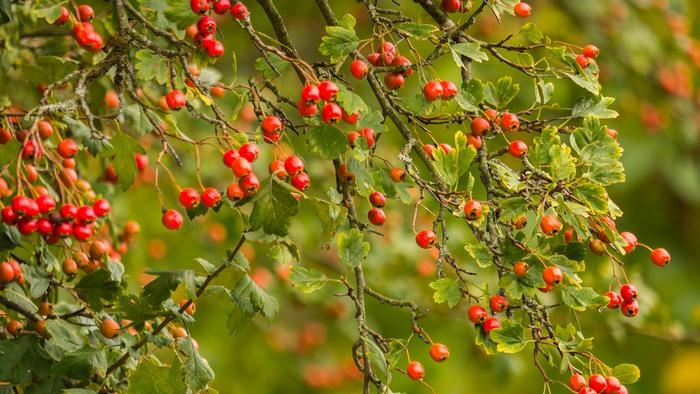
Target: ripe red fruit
(7, 273)
(189, 197)
(276, 167)
(249, 151)
(68, 211)
(582, 61)
(377, 199)
(5, 135)
(44, 226)
(375, 59)
(199, 6)
(480, 126)
(172, 219)
(368, 133)
(101, 207)
(250, 184)
(206, 25)
(521, 268)
(629, 308)
(472, 210)
(234, 192)
(111, 99)
(30, 151)
(86, 214)
(239, 11)
(612, 385)
(272, 124)
(301, 181)
(331, 113)
(350, 118)
(498, 303)
(660, 257)
(26, 226)
(359, 69)
(510, 122)
(175, 99)
(451, 5)
(14, 327)
(45, 129)
(394, 81)
(597, 246)
(397, 174)
(628, 292)
(475, 141)
(67, 148)
(429, 150)
(388, 52)
(63, 18)
(46, 203)
(615, 300)
(306, 110)
(214, 48)
(622, 390)
(631, 240)
(229, 157)
(550, 225)
(21, 205)
(522, 10)
(9, 216)
(210, 197)
(577, 382)
(310, 94)
(293, 165)
(517, 148)
(591, 51)
(376, 216)
(449, 90)
(586, 390)
(415, 370)
(81, 232)
(433, 90)
(402, 61)
(426, 238)
(552, 276)
(491, 324)
(597, 382)
(85, 13)
(612, 133)
(222, 6)
(328, 90)
(477, 314)
(345, 174)
(241, 167)
(439, 352)
(109, 328)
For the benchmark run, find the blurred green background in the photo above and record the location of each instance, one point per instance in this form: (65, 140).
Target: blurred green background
(649, 61)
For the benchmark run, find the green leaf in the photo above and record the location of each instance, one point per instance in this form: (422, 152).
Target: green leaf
(251, 299)
(160, 289)
(480, 253)
(502, 93)
(97, 286)
(198, 373)
(332, 216)
(446, 290)
(471, 95)
(581, 298)
(64, 335)
(376, 357)
(21, 359)
(81, 364)
(208, 267)
(10, 237)
(150, 66)
(510, 338)
(95, 143)
(179, 15)
(49, 14)
(38, 279)
(506, 176)
(273, 208)
(351, 101)
(562, 164)
(531, 33)
(5, 11)
(125, 147)
(272, 66)
(48, 69)
(417, 30)
(152, 377)
(137, 119)
(469, 49)
(307, 280)
(373, 120)
(512, 208)
(451, 166)
(586, 81)
(593, 196)
(338, 42)
(352, 247)
(327, 141)
(626, 373)
(594, 106)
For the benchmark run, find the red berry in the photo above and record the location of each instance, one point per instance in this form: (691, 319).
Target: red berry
(439, 352)
(582, 61)
(85, 13)
(7, 273)
(199, 6)
(550, 225)
(429, 150)
(369, 136)
(46, 203)
(175, 99)
(521, 269)
(552, 276)
(612, 385)
(376, 216)
(301, 181)
(345, 174)
(249, 151)
(591, 51)
(21, 205)
(9, 216)
(517, 148)
(359, 69)
(394, 81)
(276, 167)
(510, 122)
(310, 94)
(449, 90)
(172, 220)
(628, 292)
(293, 165)
(433, 90)
(86, 214)
(631, 240)
(415, 370)
(402, 61)
(377, 199)
(109, 328)
(451, 5)
(101, 207)
(206, 25)
(586, 390)
(272, 124)
(189, 197)
(141, 162)
(331, 113)
(477, 314)
(63, 18)
(629, 308)
(375, 59)
(622, 390)
(234, 192)
(328, 90)
(577, 382)
(5, 135)
(480, 126)
(229, 157)
(45, 129)
(239, 11)
(350, 118)
(44, 226)
(26, 226)
(615, 300)
(660, 257)
(612, 133)
(498, 303)
(522, 10)
(425, 239)
(306, 110)
(388, 52)
(475, 141)
(82, 232)
(68, 211)
(67, 148)
(597, 246)
(472, 210)
(222, 6)
(241, 167)
(210, 197)
(249, 184)
(214, 48)
(397, 174)
(597, 382)
(491, 324)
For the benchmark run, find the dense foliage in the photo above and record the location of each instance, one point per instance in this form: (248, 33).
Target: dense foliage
(396, 128)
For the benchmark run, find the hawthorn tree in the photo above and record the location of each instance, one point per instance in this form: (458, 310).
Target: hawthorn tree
(511, 205)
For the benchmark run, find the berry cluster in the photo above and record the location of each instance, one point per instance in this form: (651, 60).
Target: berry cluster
(203, 33)
(596, 384)
(83, 31)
